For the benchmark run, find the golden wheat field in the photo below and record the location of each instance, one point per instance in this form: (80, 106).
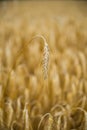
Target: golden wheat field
(43, 65)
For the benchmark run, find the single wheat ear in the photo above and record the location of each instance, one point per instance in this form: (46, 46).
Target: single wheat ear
(45, 60)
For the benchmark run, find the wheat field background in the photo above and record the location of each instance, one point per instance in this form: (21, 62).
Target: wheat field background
(28, 101)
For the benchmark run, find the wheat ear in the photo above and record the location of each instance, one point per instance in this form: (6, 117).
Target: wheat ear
(45, 55)
(25, 118)
(10, 112)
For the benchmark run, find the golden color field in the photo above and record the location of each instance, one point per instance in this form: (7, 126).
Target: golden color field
(43, 65)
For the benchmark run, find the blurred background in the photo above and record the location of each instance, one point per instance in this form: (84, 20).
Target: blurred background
(54, 6)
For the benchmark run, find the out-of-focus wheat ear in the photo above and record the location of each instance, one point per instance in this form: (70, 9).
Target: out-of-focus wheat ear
(9, 113)
(1, 95)
(18, 110)
(48, 125)
(1, 64)
(1, 117)
(83, 62)
(16, 125)
(85, 128)
(85, 116)
(25, 119)
(59, 123)
(65, 122)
